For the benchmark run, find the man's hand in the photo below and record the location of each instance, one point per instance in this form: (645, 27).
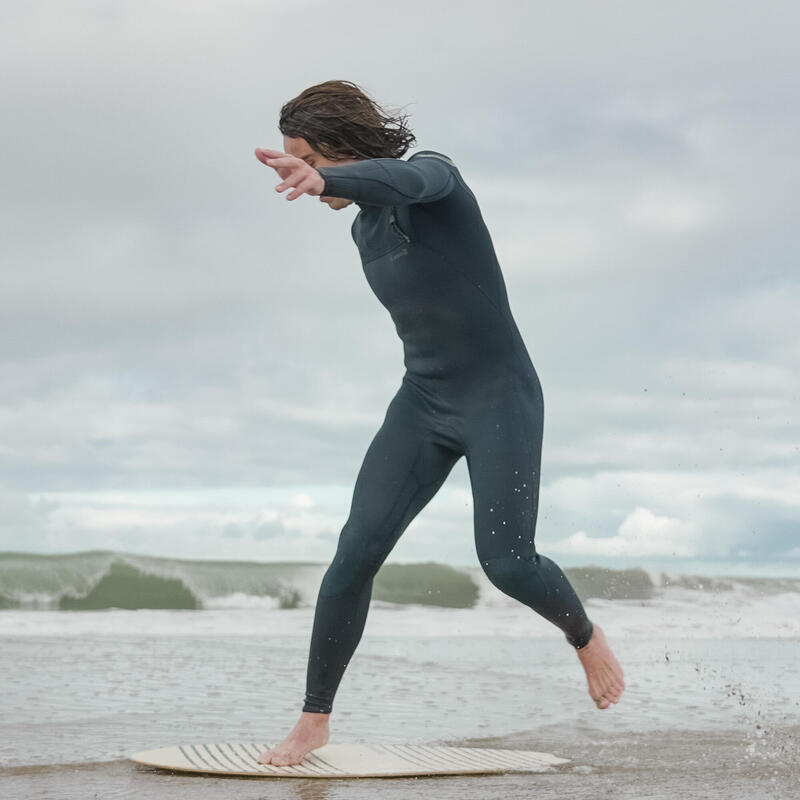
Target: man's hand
(294, 172)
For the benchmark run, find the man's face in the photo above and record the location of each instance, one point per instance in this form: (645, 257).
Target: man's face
(297, 146)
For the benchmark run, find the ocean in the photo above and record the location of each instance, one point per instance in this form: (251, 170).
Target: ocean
(105, 653)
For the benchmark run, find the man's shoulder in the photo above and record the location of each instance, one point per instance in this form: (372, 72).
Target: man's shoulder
(431, 154)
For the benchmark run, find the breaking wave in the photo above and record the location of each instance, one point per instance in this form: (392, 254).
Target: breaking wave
(109, 579)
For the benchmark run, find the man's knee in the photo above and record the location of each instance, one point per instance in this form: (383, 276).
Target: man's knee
(514, 575)
(354, 564)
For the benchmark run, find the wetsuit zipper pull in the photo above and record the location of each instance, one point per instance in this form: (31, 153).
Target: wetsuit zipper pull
(397, 228)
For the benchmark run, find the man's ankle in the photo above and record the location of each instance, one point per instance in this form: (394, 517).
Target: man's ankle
(315, 717)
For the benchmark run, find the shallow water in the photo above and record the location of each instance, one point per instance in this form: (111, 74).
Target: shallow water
(704, 715)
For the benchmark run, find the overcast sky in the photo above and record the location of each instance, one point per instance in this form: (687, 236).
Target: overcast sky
(193, 366)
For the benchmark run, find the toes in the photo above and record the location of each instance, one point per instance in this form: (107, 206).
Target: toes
(600, 699)
(613, 693)
(287, 759)
(613, 690)
(606, 696)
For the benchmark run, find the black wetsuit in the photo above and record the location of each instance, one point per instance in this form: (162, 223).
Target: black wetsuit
(469, 389)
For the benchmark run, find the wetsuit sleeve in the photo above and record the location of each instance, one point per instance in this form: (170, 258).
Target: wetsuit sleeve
(389, 181)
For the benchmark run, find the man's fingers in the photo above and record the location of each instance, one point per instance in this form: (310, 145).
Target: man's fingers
(296, 174)
(289, 182)
(263, 153)
(280, 162)
(270, 153)
(292, 179)
(301, 188)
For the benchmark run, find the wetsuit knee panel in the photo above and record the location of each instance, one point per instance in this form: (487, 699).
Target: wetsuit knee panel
(515, 575)
(350, 571)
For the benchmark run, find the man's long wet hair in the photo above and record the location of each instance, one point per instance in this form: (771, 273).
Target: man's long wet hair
(340, 120)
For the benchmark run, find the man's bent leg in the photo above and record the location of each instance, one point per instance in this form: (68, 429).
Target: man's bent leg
(504, 459)
(402, 470)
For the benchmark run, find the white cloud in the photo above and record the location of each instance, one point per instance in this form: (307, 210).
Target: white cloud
(642, 533)
(706, 513)
(302, 500)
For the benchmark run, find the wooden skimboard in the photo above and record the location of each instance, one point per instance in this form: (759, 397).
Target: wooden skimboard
(348, 760)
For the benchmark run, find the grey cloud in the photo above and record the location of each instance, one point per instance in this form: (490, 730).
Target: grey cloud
(23, 520)
(232, 531)
(167, 320)
(269, 530)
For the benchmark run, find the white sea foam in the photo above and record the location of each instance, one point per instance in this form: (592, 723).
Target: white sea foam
(675, 613)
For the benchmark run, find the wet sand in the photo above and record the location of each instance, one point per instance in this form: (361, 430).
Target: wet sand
(676, 764)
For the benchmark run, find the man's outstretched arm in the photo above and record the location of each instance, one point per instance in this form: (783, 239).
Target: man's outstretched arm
(389, 181)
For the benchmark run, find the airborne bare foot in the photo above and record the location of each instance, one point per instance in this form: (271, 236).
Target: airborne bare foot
(310, 732)
(603, 671)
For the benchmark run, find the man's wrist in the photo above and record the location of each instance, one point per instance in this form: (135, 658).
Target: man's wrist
(324, 180)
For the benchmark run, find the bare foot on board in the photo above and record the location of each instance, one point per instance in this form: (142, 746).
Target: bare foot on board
(310, 732)
(603, 671)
